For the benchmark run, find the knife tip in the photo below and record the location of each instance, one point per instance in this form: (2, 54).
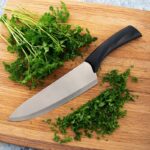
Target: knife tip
(11, 118)
(14, 117)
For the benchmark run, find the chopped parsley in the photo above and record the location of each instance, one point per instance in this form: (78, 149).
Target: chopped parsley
(99, 115)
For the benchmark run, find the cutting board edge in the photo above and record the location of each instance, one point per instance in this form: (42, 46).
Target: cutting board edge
(20, 141)
(43, 144)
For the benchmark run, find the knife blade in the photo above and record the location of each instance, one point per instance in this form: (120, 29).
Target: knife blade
(75, 82)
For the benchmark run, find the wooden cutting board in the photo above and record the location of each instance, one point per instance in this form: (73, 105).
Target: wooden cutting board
(102, 21)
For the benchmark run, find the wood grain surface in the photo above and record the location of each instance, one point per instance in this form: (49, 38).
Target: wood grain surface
(102, 21)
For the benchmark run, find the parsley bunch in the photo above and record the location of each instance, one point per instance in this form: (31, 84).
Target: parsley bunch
(100, 115)
(41, 43)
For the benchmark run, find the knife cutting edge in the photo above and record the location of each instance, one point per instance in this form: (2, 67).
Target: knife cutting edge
(75, 82)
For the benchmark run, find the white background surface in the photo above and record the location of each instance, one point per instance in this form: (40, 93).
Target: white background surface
(138, 4)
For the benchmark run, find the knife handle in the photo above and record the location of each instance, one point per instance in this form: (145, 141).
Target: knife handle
(118, 39)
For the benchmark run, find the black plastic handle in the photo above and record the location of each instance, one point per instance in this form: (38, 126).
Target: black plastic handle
(118, 39)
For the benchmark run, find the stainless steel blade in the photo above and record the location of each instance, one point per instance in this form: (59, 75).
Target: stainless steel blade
(59, 92)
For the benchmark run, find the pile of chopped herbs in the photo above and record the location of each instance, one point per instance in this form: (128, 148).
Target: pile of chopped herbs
(99, 115)
(42, 43)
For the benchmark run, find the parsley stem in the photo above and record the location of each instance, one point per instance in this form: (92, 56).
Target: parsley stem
(21, 35)
(2, 37)
(10, 30)
(27, 18)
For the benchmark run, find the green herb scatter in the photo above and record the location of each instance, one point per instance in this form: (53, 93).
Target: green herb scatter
(101, 114)
(41, 43)
(134, 79)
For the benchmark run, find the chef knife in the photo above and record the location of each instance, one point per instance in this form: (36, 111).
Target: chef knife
(75, 82)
